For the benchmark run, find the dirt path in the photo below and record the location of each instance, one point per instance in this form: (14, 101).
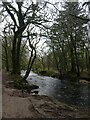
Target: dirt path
(16, 106)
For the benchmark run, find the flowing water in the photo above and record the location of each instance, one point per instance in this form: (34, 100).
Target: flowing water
(62, 90)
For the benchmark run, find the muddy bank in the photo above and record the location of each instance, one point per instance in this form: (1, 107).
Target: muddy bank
(16, 105)
(23, 105)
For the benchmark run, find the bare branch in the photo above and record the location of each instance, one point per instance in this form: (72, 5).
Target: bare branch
(5, 4)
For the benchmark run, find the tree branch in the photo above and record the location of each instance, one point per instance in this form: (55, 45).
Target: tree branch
(5, 4)
(82, 18)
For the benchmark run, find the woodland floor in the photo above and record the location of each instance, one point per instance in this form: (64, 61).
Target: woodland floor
(18, 105)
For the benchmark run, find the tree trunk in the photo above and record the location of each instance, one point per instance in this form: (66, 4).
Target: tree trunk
(76, 58)
(77, 64)
(57, 63)
(88, 60)
(7, 63)
(73, 66)
(14, 55)
(18, 71)
(89, 39)
(31, 61)
(6, 51)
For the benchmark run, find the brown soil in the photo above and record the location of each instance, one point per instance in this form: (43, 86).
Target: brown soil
(16, 104)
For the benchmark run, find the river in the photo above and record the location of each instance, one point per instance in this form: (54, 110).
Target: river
(62, 90)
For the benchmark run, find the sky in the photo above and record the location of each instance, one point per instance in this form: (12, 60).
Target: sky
(34, 1)
(50, 0)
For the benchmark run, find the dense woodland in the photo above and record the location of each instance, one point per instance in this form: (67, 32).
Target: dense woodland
(62, 28)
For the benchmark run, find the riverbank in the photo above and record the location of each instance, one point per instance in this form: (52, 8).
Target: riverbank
(24, 105)
(84, 76)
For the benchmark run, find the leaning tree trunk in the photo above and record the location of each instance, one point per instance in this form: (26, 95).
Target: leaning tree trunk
(31, 61)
